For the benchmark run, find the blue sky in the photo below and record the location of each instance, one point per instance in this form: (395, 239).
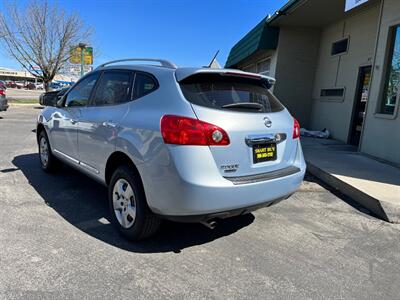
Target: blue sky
(186, 32)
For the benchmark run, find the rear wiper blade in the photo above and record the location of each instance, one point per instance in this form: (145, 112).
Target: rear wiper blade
(245, 105)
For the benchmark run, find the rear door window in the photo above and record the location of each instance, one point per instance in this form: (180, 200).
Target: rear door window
(230, 93)
(114, 88)
(144, 85)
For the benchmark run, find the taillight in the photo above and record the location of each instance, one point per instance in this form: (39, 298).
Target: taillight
(2, 92)
(296, 129)
(187, 131)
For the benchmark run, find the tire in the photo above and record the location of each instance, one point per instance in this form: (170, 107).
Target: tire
(48, 161)
(128, 206)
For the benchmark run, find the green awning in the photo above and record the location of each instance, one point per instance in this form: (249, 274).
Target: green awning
(261, 37)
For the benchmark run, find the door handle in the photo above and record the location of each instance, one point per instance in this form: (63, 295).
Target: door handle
(109, 124)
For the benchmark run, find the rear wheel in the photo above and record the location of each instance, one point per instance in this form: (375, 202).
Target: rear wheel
(48, 162)
(128, 206)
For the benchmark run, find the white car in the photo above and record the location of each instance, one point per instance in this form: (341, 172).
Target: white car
(39, 86)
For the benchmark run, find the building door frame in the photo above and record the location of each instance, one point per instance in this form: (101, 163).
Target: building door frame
(359, 105)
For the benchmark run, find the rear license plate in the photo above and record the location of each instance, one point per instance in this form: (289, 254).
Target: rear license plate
(264, 152)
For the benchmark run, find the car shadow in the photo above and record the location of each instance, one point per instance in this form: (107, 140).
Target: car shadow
(83, 203)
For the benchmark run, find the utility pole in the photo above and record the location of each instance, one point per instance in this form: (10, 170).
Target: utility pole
(82, 46)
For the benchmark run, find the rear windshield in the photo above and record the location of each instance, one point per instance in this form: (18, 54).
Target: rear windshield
(229, 93)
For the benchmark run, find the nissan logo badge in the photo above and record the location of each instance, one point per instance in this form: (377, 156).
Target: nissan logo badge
(267, 122)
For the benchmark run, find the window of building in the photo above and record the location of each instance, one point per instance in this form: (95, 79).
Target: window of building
(332, 93)
(144, 84)
(392, 77)
(263, 67)
(340, 47)
(250, 68)
(114, 88)
(80, 94)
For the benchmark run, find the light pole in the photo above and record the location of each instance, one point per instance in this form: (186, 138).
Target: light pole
(82, 46)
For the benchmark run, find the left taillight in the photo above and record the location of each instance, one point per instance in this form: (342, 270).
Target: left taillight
(179, 130)
(296, 129)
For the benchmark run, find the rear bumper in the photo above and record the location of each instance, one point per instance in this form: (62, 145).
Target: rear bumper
(198, 191)
(195, 200)
(221, 215)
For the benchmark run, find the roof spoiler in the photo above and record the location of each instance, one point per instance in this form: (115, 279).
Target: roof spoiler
(163, 62)
(183, 73)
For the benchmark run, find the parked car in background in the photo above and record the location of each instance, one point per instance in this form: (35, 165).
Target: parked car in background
(3, 85)
(11, 84)
(185, 144)
(55, 86)
(51, 98)
(19, 84)
(39, 86)
(3, 99)
(30, 86)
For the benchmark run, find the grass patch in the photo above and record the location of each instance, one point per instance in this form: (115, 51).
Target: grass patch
(24, 101)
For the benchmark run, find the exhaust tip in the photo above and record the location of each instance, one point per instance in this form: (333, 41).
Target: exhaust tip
(211, 224)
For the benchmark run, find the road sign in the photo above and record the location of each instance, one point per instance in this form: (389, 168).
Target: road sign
(88, 56)
(76, 52)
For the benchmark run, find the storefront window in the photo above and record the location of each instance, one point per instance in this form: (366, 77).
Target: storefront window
(392, 83)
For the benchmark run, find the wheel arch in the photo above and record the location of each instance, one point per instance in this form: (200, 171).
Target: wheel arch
(39, 128)
(117, 159)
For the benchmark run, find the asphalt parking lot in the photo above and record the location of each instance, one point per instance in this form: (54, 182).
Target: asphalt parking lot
(56, 242)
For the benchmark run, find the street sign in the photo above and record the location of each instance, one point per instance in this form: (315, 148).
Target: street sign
(88, 56)
(76, 54)
(350, 4)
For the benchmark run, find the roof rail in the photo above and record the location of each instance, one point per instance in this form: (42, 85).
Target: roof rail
(163, 62)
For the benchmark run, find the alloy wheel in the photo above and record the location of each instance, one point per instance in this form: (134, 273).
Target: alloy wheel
(124, 203)
(44, 151)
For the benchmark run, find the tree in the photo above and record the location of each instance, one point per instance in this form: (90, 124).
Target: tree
(41, 35)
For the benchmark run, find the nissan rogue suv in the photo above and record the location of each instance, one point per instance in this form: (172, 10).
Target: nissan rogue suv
(185, 144)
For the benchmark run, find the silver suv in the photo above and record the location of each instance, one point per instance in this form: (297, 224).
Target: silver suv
(186, 144)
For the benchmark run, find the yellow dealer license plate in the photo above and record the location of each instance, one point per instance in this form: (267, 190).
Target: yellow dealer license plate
(264, 152)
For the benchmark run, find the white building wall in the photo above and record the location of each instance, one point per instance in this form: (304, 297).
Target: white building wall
(295, 69)
(342, 71)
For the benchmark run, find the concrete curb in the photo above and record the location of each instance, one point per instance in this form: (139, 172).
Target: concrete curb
(382, 209)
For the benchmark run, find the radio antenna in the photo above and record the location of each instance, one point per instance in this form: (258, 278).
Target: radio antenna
(215, 56)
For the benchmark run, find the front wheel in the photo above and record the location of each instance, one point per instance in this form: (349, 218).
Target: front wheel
(128, 206)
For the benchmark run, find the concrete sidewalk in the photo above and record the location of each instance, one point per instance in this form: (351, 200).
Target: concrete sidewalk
(373, 184)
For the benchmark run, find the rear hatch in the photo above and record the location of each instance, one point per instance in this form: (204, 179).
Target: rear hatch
(260, 129)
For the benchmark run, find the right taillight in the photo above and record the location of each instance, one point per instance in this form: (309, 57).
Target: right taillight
(2, 92)
(188, 131)
(296, 129)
